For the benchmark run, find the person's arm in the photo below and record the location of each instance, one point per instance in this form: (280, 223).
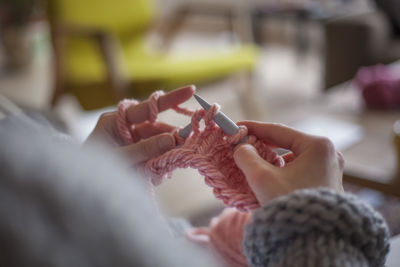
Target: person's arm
(306, 219)
(316, 227)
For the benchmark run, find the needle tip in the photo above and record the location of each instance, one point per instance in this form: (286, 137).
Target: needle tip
(202, 102)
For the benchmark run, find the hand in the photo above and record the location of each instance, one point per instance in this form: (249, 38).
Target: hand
(150, 139)
(315, 162)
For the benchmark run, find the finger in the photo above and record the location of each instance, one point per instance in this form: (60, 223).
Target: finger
(148, 148)
(248, 160)
(147, 129)
(141, 112)
(340, 160)
(279, 135)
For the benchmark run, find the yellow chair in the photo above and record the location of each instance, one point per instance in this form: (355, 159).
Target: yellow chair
(101, 54)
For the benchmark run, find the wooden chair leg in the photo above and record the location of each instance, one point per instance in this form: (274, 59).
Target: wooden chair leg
(243, 26)
(249, 99)
(171, 28)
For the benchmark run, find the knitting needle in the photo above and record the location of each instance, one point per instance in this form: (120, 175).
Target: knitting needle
(184, 133)
(228, 126)
(223, 121)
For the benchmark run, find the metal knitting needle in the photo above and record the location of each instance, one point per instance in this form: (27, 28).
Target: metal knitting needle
(226, 124)
(185, 132)
(223, 121)
(229, 127)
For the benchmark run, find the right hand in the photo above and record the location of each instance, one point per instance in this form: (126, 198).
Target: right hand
(316, 163)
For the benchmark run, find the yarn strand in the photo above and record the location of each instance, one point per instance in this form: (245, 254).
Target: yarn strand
(209, 150)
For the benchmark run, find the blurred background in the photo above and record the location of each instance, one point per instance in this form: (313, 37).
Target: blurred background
(286, 61)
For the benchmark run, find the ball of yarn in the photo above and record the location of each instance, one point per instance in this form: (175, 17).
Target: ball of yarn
(380, 88)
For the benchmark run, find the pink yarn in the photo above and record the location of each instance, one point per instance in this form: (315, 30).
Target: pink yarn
(208, 150)
(124, 128)
(224, 236)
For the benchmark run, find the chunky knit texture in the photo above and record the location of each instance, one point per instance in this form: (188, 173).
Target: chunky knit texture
(208, 150)
(316, 228)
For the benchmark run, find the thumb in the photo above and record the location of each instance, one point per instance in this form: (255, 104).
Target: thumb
(256, 170)
(148, 148)
(249, 161)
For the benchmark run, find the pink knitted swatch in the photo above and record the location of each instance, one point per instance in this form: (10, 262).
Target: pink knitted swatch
(208, 150)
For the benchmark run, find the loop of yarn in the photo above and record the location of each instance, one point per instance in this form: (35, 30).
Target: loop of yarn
(208, 150)
(124, 128)
(153, 105)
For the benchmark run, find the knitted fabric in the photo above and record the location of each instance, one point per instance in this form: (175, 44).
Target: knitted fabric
(316, 228)
(209, 150)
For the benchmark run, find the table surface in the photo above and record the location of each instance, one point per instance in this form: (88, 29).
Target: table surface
(393, 259)
(374, 157)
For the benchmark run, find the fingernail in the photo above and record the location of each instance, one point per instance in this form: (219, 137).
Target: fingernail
(193, 87)
(166, 142)
(243, 146)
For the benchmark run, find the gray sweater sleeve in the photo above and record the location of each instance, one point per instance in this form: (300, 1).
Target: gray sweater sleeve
(62, 205)
(316, 228)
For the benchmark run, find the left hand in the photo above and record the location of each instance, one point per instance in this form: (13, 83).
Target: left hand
(150, 139)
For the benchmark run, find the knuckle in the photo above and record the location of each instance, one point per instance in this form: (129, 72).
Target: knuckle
(241, 153)
(104, 116)
(107, 116)
(148, 148)
(324, 146)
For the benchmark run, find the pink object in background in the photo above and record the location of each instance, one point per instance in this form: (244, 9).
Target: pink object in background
(380, 87)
